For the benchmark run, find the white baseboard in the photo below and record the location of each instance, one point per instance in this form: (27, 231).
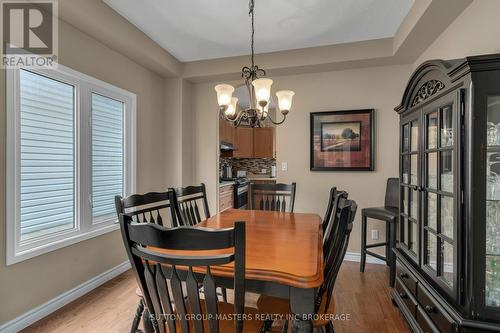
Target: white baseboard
(354, 256)
(32, 316)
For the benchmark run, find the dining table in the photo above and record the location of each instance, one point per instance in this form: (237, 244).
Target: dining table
(284, 258)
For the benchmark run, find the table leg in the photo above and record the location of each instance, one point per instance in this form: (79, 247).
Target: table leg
(302, 306)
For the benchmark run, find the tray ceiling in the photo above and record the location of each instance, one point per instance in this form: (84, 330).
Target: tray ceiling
(207, 29)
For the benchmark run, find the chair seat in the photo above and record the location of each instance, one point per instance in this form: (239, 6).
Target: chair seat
(226, 310)
(389, 214)
(275, 305)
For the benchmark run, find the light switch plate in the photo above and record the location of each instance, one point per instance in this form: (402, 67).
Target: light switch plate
(375, 234)
(284, 166)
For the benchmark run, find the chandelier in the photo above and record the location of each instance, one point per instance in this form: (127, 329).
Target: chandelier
(259, 90)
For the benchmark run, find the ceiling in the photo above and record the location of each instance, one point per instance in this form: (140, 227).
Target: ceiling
(207, 29)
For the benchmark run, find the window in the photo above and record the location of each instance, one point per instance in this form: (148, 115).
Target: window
(47, 160)
(107, 156)
(70, 150)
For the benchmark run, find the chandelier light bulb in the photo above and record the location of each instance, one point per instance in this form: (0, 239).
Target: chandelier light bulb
(224, 94)
(231, 108)
(262, 90)
(285, 100)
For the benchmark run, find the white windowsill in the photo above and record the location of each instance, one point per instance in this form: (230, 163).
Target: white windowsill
(14, 258)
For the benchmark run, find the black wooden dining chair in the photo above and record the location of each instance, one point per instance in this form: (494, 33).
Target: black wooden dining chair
(187, 202)
(330, 206)
(335, 254)
(146, 208)
(160, 275)
(277, 197)
(330, 220)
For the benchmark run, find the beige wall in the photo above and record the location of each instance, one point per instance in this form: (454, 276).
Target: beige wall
(188, 137)
(476, 31)
(380, 88)
(32, 282)
(206, 133)
(173, 152)
(179, 152)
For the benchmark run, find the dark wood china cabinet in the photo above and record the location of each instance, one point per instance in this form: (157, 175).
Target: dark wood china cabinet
(448, 252)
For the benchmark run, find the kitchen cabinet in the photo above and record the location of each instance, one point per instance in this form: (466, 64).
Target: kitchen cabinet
(243, 142)
(226, 132)
(264, 142)
(449, 157)
(248, 142)
(226, 197)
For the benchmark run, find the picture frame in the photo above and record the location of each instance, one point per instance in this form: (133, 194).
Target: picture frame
(342, 140)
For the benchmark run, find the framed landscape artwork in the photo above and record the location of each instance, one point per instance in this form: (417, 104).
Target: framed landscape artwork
(342, 140)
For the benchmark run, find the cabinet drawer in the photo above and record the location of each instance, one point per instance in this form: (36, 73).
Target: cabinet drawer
(425, 323)
(225, 204)
(406, 277)
(226, 190)
(225, 198)
(434, 311)
(405, 297)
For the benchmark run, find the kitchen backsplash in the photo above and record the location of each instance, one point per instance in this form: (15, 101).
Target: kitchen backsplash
(250, 165)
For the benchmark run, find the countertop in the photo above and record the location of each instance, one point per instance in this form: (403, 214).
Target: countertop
(261, 178)
(226, 183)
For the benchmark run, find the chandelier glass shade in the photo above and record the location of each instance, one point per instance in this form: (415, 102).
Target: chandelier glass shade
(259, 91)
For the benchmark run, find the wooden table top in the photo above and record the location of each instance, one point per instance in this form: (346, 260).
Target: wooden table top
(285, 248)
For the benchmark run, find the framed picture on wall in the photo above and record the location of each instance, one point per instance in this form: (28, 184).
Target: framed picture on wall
(342, 140)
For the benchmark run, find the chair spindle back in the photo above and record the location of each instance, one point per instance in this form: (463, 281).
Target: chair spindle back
(331, 220)
(146, 208)
(187, 201)
(275, 197)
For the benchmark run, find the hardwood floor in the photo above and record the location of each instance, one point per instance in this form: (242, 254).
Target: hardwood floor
(364, 297)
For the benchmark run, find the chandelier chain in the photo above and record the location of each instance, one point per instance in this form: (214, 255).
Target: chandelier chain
(251, 5)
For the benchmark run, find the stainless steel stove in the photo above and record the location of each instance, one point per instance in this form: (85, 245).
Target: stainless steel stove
(241, 188)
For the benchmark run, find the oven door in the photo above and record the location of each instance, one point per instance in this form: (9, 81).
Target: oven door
(241, 197)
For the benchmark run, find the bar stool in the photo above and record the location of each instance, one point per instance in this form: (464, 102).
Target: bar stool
(389, 213)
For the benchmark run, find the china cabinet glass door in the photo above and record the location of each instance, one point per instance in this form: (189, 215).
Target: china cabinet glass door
(410, 176)
(439, 194)
(492, 278)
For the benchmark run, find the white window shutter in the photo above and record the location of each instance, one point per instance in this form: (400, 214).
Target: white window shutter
(47, 156)
(107, 156)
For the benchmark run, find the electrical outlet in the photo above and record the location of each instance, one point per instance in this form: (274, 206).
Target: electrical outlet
(375, 234)
(284, 166)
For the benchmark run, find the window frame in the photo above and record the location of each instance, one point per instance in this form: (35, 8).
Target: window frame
(84, 228)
